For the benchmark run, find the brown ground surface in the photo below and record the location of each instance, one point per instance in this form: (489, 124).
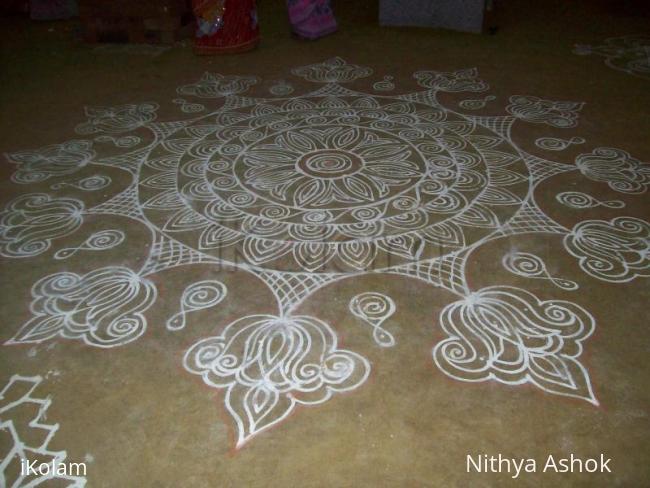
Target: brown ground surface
(148, 423)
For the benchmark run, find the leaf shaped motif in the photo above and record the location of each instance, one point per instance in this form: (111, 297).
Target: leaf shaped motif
(217, 236)
(268, 365)
(259, 251)
(478, 216)
(313, 256)
(408, 246)
(185, 220)
(511, 336)
(104, 308)
(357, 254)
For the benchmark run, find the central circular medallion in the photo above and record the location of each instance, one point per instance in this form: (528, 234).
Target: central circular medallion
(329, 163)
(372, 184)
(329, 167)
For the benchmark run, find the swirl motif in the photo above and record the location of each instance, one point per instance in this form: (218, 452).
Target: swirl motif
(641, 65)
(214, 85)
(366, 213)
(188, 107)
(281, 89)
(317, 216)
(274, 212)
(55, 160)
(456, 81)
(91, 183)
(99, 241)
(104, 308)
(282, 187)
(555, 144)
(324, 167)
(509, 335)
(630, 54)
(576, 199)
(617, 168)
(126, 141)
(114, 120)
(615, 251)
(30, 222)
(534, 109)
(375, 308)
(384, 85)
(334, 70)
(270, 197)
(197, 296)
(476, 104)
(269, 364)
(531, 266)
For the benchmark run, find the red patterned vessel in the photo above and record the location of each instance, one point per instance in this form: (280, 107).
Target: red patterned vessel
(225, 26)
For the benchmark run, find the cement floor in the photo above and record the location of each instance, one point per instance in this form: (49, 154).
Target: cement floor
(327, 277)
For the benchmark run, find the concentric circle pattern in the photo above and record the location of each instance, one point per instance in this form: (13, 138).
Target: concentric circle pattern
(333, 183)
(318, 189)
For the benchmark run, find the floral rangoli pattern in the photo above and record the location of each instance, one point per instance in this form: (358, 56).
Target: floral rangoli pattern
(630, 54)
(310, 189)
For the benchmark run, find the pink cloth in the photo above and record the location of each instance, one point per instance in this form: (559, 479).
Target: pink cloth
(311, 19)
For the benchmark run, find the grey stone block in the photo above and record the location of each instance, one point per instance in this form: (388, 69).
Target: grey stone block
(462, 15)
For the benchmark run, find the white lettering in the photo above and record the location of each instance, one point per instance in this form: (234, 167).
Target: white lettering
(603, 464)
(30, 468)
(576, 461)
(550, 464)
(518, 467)
(76, 469)
(501, 461)
(477, 466)
(531, 466)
